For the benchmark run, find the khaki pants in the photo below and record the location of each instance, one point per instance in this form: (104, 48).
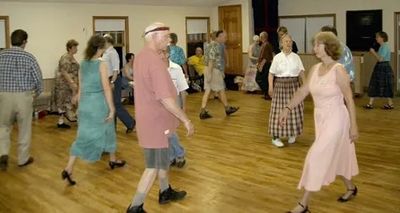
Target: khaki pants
(16, 106)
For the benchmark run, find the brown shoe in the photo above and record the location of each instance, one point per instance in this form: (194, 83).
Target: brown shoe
(3, 162)
(29, 161)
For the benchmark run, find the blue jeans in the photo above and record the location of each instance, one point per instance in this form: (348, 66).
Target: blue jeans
(175, 148)
(120, 111)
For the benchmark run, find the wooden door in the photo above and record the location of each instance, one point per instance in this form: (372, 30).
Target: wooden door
(230, 20)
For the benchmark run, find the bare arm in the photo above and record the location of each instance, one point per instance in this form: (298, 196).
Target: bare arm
(378, 57)
(77, 96)
(126, 72)
(173, 108)
(343, 80)
(107, 89)
(302, 76)
(302, 92)
(271, 84)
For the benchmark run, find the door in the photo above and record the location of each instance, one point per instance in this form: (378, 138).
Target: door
(397, 49)
(4, 33)
(230, 20)
(118, 28)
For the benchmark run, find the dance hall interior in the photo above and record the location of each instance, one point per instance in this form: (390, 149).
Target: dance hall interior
(200, 106)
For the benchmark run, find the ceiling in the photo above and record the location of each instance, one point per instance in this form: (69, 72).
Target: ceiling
(197, 3)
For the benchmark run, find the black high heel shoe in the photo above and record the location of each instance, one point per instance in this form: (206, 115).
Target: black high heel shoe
(305, 209)
(353, 194)
(65, 175)
(116, 164)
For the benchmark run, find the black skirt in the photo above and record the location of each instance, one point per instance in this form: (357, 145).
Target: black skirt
(381, 82)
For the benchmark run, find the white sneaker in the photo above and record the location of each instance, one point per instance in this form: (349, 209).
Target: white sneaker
(278, 143)
(292, 140)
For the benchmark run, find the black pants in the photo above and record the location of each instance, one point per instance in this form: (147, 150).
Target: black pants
(262, 78)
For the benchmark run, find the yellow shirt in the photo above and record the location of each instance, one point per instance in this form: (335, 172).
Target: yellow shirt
(197, 63)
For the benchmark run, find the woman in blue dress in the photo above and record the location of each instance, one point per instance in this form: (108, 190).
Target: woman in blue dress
(381, 83)
(96, 132)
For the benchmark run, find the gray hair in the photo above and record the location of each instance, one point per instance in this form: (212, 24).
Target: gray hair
(147, 36)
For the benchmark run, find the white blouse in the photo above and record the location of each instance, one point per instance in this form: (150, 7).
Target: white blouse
(286, 65)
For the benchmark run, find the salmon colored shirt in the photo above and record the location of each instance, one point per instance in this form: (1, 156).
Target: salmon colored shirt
(152, 84)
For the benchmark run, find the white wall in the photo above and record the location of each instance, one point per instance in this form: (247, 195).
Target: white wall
(50, 25)
(339, 7)
(247, 21)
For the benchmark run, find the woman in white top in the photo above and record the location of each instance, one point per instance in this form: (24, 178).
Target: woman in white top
(284, 80)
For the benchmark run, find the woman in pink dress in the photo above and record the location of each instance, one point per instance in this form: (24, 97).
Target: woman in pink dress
(333, 152)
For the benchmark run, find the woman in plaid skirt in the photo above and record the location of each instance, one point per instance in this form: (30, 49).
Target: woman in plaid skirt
(381, 83)
(284, 79)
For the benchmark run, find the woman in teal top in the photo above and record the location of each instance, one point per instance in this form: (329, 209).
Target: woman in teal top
(96, 132)
(381, 82)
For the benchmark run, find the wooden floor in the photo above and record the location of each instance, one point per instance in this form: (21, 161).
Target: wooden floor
(231, 167)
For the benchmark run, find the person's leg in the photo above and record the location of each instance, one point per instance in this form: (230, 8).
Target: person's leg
(371, 101)
(120, 111)
(222, 98)
(303, 204)
(24, 119)
(350, 192)
(178, 153)
(171, 149)
(7, 117)
(205, 98)
(390, 101)
(167, 194)
(144, 186)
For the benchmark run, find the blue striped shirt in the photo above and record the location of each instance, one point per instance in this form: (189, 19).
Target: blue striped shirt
(19, 71)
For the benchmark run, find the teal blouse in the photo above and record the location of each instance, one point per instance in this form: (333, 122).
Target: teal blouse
(384, 51)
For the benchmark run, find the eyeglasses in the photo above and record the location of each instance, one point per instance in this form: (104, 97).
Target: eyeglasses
(157, 29)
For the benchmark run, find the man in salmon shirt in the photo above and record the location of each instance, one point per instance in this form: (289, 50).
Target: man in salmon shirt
(157, 116)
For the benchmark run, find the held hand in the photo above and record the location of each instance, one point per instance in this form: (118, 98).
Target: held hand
(270, 92)
(110, 116)
(353, 134)
(283, 117)
(75, 99)
(189, 127)
(372, 50)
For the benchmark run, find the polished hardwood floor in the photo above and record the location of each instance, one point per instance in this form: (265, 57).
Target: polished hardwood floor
(231, 167)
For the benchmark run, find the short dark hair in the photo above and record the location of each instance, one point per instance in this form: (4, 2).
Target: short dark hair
(328, 28)
(219, 32)
(109, 39)
(383, 35)
(174, 38)
(128, 56)
(71, 43)
(18, 37)
(95, 42)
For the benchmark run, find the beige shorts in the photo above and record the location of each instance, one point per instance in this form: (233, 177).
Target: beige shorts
(214, 80)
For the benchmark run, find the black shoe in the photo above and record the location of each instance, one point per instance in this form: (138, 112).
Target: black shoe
(66, 175)
(353, 194)
(173, 163)
(116, 164)
(3, 162)
(305, 209)
(230, 110)
(169, 195)
(129, 130)
(29, 161)
(63, 126)
(180, 162)
(135, 209)
(204, 115)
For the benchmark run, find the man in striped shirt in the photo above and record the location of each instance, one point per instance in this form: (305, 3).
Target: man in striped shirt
(20, 83)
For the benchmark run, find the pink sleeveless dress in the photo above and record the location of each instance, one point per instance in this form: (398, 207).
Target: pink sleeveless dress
(332, 152)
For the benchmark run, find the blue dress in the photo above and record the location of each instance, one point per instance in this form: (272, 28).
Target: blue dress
(94, 135)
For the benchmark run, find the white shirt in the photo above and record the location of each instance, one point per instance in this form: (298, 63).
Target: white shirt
(177, 76)
(111, 57)
(286, 65)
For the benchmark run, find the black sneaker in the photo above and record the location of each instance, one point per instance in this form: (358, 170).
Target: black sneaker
(231, 110)
(204, 115)
(3, 162)
(135, 209)
(169, 195)
(63, 126)
(180, 162)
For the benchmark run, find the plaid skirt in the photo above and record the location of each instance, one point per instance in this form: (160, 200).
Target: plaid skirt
(284, 89)
(381, 82)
